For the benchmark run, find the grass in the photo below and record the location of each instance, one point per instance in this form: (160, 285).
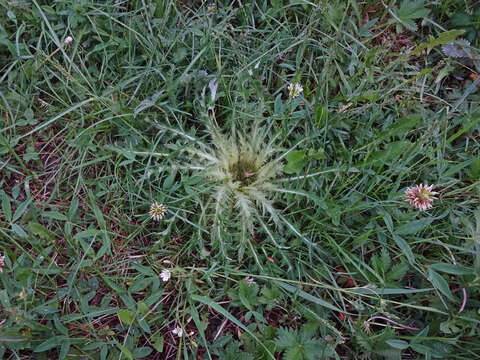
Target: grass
(287, 234)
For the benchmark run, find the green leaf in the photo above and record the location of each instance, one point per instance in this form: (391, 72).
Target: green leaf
(388, 222)
(157, 342)
(42, 232)
(451, 269)
(461, 19)
(286, 338)
(401, 126)
(64, 349)
(179, 54)
(48, 344)
(317, 154)
(116, 288)
(55, 215)
(261, 354)
(139, 285)
(473, 171)
(248, 295)
(244, 301)
(455, 169)
(293, 353)
(414, 226)
(126, 316)
(104, 352)
(210, 303)
(278, 107)
(141, 352)
(426, 350)
(440, 283)
(125, 351)
(6, 207)
(320, 116)
(406, 249)
(397, 272)
(315, 349)
(309, 297)
(17, 229)
(442, 39)
(301, 346)
(413, 9)
(296, 161)
(391, 151)
(87, 234)
(201, 326)
(21, 209)
(59, 326)
(142, 308)
(398, 344)
(449, 327)
(144, 270)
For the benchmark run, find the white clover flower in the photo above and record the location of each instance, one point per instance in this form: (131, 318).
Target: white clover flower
(178, 331)
(294, 89)
(165, 275)
(68, 40)
(157, 211)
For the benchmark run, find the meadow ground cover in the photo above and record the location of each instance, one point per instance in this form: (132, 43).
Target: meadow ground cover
(283, 179)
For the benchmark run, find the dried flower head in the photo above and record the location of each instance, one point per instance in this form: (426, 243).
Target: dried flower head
(2, 263)
(165, 275)
(420, 196)
(23, 295)
(294, 89)
(157, 211)
(178, 331)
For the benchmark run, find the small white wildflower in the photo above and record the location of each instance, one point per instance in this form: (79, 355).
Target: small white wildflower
(294, 89)
(157, 211)
(68, 40)
(249, 281)
(178, 331)
(2, 263)
(165, 275)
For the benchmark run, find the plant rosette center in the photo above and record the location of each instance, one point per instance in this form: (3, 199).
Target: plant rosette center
(243, 171)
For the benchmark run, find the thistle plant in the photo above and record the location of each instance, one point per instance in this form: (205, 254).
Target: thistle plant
(243, 169)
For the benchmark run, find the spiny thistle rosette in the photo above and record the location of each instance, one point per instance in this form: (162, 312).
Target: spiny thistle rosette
(243, 168)
(420, 196)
